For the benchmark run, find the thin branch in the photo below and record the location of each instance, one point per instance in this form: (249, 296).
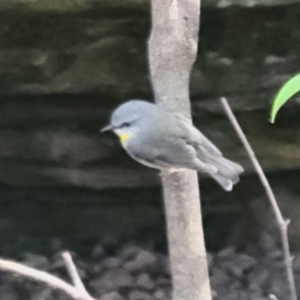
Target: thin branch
(282, 223)
(75, 276)
(41, 276)
(37, 275)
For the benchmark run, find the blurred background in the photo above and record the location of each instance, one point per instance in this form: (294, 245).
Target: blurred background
(65, 64)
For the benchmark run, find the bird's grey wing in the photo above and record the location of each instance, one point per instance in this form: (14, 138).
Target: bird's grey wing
(164, 153)
(208, 153)
(169, 153)
(195, 138)
(172, 151)
(227, 171)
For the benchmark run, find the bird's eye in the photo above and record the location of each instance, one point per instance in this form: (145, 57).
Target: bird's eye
(125, 124)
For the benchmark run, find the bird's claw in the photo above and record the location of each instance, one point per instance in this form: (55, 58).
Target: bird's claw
(167, 172)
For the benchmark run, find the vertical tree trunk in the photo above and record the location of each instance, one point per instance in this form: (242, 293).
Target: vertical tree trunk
(172, 52)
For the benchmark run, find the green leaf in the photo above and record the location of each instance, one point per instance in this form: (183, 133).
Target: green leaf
(289, 89)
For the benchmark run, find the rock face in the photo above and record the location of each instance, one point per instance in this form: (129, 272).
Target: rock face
(63, 6)
(64, 65)
(61, 74)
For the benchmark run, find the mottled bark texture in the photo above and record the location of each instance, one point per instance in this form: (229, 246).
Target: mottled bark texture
(172, 52)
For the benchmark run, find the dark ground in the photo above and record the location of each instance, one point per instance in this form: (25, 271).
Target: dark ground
(119, 270)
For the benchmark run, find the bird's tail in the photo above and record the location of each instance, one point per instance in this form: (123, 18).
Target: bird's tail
(228, 173)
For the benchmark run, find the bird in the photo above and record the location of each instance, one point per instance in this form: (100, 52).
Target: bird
(167, 141)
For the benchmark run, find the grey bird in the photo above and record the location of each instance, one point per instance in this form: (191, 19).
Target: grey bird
(160, 139)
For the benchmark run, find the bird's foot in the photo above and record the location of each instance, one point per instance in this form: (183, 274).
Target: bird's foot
(167, 172)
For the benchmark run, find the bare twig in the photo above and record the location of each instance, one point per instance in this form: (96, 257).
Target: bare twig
(37, 275)
(282, 223)
(74, 291)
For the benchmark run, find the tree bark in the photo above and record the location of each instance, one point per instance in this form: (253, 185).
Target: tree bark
(172, 52)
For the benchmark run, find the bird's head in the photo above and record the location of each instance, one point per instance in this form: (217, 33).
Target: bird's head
(126, 118)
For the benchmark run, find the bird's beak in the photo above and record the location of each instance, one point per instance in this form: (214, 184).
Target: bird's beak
(106, 128)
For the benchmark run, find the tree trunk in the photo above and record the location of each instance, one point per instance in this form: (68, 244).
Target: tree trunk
(172, 52)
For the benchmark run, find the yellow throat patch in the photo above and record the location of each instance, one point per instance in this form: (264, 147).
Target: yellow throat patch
(124, 137)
